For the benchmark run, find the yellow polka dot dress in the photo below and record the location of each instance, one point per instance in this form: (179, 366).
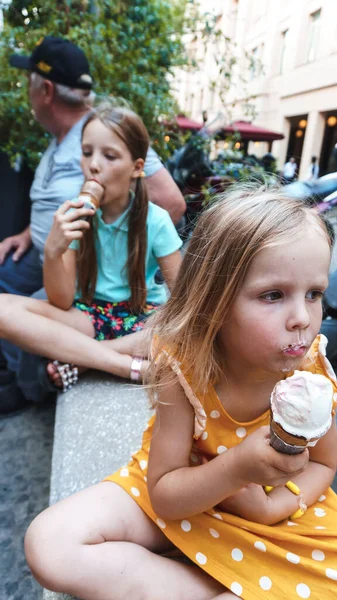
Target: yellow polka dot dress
(287, 561)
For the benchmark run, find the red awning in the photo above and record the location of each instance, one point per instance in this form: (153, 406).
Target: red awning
(184, 123)
(251, 132)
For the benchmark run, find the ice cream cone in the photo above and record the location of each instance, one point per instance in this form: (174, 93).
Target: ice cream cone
(284, 442)
(301, 407)
(91, 194)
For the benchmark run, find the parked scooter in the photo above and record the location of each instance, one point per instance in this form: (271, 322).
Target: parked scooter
(315, 191)
(198, 177)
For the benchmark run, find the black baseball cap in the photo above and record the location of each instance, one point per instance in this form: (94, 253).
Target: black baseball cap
(58, 60)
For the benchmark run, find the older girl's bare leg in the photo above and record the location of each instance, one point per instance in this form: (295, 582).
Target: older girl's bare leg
(133, 344)
(99, 544)
(37, 327)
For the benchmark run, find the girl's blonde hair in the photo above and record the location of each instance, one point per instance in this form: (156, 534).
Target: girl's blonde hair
(225, 240)
(129, 127)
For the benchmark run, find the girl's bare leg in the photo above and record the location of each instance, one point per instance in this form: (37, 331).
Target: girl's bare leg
(40, 328)
(99, 544)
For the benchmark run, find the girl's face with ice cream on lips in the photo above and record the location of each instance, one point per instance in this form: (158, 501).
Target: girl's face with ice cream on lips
(278, 310)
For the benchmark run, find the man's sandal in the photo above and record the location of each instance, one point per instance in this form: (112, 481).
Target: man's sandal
(68, 374)
(136, 369)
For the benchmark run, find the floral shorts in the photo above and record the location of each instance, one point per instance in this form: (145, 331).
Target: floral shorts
(115, 319)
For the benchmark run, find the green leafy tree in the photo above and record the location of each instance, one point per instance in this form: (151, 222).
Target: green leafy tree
(132, 47)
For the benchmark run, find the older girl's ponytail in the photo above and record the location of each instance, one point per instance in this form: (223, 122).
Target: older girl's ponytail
(137, 241)
(87, 265)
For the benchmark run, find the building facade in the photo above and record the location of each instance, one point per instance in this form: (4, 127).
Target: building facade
(295, 94)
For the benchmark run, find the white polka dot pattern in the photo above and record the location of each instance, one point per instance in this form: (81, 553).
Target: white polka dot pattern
(331, 573)
(241, 432)
(135, 491)
(237, 554)
(186, 525)
(214, 414)
(319, 512)
(201, 558)
(303, 591)
(124, 472)
(143, 464)
(214, 532)
(161, 523)
(293, 558)
(265, 583)
(221, 449)
(318, 555)
(260, 546)
(236, 588)
(204, 435)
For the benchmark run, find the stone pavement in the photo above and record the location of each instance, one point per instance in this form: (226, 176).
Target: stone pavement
(26, 442)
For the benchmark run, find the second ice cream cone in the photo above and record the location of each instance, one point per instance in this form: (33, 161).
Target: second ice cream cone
(91, 194)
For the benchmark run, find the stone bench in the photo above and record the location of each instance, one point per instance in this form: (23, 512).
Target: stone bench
(98, 424)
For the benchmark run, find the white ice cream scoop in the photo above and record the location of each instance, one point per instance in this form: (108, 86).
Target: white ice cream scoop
(302, 404)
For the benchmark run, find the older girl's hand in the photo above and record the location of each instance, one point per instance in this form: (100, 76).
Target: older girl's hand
(68, 225)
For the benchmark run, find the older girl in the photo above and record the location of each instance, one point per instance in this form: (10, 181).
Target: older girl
(99, 275)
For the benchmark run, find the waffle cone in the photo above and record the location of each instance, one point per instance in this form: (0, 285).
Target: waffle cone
(92, 193)
(285, 442)
(89, 200)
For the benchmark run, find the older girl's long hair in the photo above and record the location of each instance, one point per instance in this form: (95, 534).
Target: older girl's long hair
(131, 130)
(227, 237)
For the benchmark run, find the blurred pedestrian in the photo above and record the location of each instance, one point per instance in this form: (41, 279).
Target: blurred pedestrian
(313, 170)
(289, 171)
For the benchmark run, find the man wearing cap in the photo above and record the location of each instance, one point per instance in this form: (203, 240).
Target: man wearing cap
(60, 94)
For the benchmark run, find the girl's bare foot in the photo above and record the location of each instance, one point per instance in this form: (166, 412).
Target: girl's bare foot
(55, 376)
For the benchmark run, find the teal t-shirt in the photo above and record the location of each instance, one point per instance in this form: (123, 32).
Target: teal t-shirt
(112, 251)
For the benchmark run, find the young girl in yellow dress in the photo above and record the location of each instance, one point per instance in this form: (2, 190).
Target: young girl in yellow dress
(245, 312)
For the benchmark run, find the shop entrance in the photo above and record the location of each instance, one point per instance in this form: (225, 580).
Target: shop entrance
(298, 126)
(328, 158)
